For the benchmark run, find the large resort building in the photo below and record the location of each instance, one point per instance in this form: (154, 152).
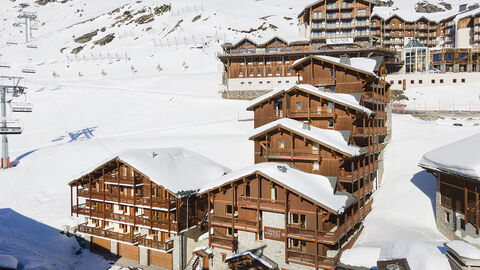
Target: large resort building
(357, 28)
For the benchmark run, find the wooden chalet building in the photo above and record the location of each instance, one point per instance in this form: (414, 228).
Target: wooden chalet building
(136, 204)
(296, 219)
(456, 168)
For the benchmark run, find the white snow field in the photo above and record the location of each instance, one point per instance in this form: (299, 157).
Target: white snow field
(159, 88)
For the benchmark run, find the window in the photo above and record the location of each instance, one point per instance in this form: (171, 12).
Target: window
(399, 81)
(463, 80)
(391, 82)
(462, 224)
(279, 82)
(249, 82)
(441, 80)
(242, 82)
(123, 208)
(420, 81)
(260, 82)
(330, 123)
(289, 72)
(268, 81)
(299, 219)
(437, 57)
(269, 72)
(412, 82)
(249, 62)
(251, 73)
(240, 73)
(332, 73)
(277, 72)
(259, 73)
(449, 57)
(234, 51)
(229, 209)
(361, 202)
(316, 166)
(299, 105)
(454, 80)
(287, 81)
(332, 89)
(433, 81)
(447, 217)
(247, 190)
(274, 193)
(282, 144)
(229, 231)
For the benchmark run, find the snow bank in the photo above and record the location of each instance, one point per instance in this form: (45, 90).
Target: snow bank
(459, 158)
(38, 246)
(420, 255)
(464, 249)
(314, 186)
(361, 257)
(8, 262)
(331, 138)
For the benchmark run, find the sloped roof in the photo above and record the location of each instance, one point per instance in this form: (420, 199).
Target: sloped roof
(256, 255)
(176, 169)
(459, 158)
(361, 64)
(327, 137)
(316, 187)
(414, 43)
(343, 99)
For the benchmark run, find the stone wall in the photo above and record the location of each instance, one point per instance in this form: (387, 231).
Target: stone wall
(244, 94)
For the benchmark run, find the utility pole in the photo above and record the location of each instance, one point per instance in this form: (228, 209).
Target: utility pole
(9, 126)
(29, 17)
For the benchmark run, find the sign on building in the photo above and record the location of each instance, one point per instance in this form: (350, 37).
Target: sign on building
(274, 233)
(336, 41)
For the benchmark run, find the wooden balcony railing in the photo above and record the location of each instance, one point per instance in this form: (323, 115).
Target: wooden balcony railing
(145, 201)
(156, 202)
(109, 234)
(292, 153)
(299, 232)
(112, 178)
(296, 256)
(165, 246)
(312, 112)
(224, 242)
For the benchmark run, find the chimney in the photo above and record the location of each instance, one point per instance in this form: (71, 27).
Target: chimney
(344, 59)
(306, 125)
(282, 168)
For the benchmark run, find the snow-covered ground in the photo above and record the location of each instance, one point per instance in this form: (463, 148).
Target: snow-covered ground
(445, 98)
(159, 88)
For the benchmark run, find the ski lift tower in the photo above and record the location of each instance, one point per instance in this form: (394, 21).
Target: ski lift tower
(29, 17)
(7, 125)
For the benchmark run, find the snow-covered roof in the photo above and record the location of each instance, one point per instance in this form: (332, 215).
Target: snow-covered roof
(362, 64)
(8, 262)
(257, 256)
(460, 158)
(176, 169)
(464, 249)
(330, 138)
(265, 42)
(313, 186)
(343, 99)
(420, 255)
(323, 1)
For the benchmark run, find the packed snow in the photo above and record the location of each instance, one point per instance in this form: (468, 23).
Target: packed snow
(176, 169)
(464, 249)
(420, 255)
(313, 186)
(331, 138)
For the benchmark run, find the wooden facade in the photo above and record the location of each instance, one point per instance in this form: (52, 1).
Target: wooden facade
(124, 205)
(311, 232)
(455, 59)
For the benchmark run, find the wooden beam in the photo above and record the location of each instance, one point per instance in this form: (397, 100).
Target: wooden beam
(209, 220)
(286, 225)
(103, 187)
(71, 201)
(315, 237)
(77, 197)
(90, 194)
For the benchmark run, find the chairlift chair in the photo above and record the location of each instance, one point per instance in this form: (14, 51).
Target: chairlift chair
(10, 126)
(31, 46)
(29, 70)
(21, 107)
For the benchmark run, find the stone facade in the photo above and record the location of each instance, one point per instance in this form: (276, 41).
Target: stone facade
(244, 94)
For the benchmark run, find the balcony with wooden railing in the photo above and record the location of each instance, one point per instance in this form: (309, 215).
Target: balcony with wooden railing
(126, 180)
(297, 256)
(109, 233)
(295, 231)
(265, 204)
(348, 174)
(312, 112)
(155, 202)
(225, 242)
(288, 153)
(361, 131)
(155, 244)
